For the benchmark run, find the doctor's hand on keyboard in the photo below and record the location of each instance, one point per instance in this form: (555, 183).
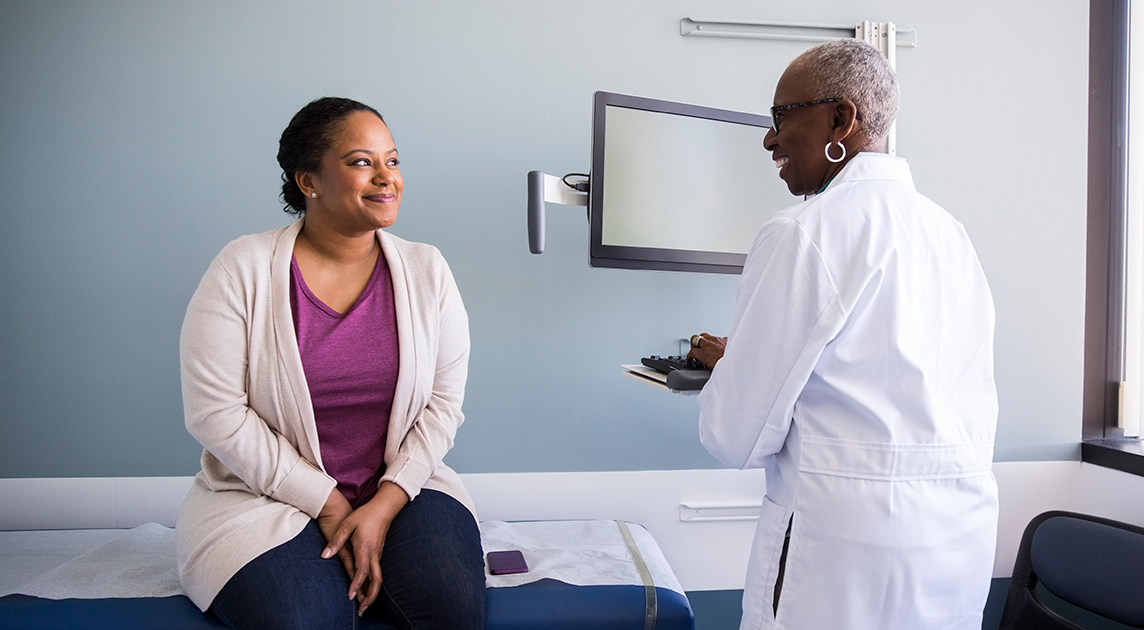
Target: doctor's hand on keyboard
(707, 349)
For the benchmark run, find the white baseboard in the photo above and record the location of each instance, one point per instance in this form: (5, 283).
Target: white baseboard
(705, 554)
(1025, 490)
(1112, 494)
(90, 502)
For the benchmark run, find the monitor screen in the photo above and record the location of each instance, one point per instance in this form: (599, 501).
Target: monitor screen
(678, 187)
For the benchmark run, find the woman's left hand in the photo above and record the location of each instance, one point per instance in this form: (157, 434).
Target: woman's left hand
(364, 530)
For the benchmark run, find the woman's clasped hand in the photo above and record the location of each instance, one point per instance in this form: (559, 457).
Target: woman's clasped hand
(357, 537)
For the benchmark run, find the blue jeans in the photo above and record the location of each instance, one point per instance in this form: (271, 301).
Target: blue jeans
(432, 567)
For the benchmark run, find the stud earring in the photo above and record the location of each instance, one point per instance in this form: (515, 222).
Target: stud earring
(314, 195)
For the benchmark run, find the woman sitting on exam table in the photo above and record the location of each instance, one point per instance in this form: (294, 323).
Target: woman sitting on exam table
(859, 373)
(323, 368)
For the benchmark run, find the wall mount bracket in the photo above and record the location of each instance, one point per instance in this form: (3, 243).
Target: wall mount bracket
(544, 188)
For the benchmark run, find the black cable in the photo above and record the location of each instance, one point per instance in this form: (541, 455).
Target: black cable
(579, 186)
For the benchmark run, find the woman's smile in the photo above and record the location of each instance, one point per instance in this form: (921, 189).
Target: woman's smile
(383, 197)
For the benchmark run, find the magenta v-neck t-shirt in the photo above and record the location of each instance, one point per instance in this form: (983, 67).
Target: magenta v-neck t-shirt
(350, 362)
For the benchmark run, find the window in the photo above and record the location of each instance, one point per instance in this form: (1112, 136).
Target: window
(1132, 387)
(1114, 316)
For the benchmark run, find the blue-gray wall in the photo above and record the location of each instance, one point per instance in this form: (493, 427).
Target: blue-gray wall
(137, 138)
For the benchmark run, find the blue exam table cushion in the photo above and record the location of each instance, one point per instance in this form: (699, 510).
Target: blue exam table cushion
(546, 604)
(543, 602)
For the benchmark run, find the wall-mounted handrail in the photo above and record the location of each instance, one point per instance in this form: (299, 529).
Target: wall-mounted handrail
(780, 31)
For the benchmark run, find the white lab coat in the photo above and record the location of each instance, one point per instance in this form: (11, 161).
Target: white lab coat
(859, 373)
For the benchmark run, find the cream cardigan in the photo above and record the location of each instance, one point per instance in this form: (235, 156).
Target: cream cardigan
(246, 401)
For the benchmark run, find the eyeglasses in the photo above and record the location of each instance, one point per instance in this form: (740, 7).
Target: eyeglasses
(782, 108)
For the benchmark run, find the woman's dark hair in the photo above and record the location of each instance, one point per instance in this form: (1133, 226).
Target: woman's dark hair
(307, 138)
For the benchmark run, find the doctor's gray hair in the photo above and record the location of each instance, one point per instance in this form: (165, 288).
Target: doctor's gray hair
(853, 69)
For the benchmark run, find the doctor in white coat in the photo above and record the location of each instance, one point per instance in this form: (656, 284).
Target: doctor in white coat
(859, 373)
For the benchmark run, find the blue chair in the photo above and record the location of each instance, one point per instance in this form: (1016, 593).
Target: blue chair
(1093, 563)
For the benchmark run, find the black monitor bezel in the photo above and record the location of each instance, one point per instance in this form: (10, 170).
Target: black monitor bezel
(618, 257)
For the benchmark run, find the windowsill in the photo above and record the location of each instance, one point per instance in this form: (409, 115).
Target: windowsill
(1123, 454)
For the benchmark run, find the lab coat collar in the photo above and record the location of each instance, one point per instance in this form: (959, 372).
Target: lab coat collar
(871, 166)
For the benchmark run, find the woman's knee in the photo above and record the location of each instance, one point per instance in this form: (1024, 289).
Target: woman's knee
(289, 586)
(432, 566)
(453, 607)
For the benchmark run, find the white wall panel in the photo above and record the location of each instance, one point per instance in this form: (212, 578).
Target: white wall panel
(704, 555)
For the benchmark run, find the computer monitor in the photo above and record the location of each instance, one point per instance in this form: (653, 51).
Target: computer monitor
(678, 187)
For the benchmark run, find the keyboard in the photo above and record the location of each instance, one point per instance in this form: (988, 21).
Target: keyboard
(683, 374)
(667, 365)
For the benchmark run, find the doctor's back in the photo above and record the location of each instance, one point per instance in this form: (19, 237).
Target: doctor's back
(859, 372)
